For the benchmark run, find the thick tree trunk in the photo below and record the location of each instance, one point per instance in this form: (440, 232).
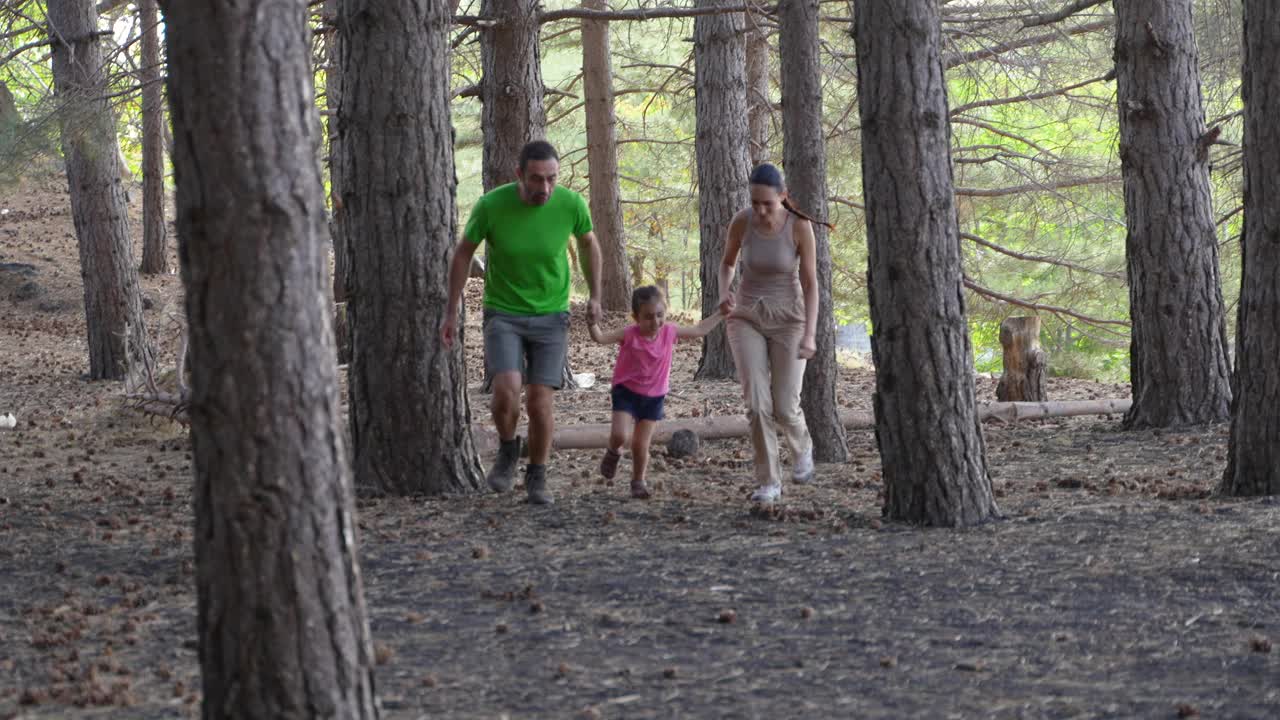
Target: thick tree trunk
(602, 160)
(333, 101)
(723, 162)
(804, 156)
(1178, 359)
(931, 446)
(511, 89)
(398, 194)
(1024, 361)
(1253, 454)
(281, 615)
(118, 341)
(758, 110)
(155, 256)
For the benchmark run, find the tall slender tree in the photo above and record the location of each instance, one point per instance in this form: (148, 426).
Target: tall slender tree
(931, 446)
(1178, 358)
(155, 256)
(280, 613)
(722, 157)
(758, 106)
(398, 198)
(118, 341)
(602, 160)
(1253, 454)
(804, 156)
(511, 89)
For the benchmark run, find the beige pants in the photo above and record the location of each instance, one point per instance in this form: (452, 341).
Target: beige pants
(764, 349)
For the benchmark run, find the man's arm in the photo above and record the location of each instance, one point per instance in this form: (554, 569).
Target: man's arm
(590, 262)
(459, 269)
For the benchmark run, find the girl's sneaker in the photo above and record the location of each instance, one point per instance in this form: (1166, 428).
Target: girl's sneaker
(766, 494)
(609, 464)
(639, 490)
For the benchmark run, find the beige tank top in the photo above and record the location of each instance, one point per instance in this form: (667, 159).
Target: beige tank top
(770, 266)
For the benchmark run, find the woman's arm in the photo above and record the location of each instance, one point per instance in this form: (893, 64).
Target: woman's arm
(732, 245)
(613, 337)
(807, 247)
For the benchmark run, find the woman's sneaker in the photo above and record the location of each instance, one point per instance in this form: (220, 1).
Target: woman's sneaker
(766, 494)
(802, 469)
(609, 464)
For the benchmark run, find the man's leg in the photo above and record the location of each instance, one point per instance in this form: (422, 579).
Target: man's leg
(505, 356)
(546, 340)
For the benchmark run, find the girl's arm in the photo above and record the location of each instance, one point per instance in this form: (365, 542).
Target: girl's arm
(733, 244)
(613, 337)
(807, 247)
(709, 323)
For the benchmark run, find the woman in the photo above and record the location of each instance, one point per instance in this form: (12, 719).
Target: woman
(771, 323)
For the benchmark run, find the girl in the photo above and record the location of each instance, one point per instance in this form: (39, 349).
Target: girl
(771, 323)
(641, 379)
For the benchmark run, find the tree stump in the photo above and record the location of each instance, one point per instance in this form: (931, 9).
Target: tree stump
(1024, 361)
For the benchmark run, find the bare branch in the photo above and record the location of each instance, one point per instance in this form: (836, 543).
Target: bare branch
(1031, 96)
(952, 61)
(1063, 14)
(1039, 258)
(1001, 297)
(1037, 186)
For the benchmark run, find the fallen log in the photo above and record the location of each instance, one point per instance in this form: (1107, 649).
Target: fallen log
(592, 436)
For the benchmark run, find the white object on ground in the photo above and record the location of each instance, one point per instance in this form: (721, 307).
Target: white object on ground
(584, 380)
(8, 421)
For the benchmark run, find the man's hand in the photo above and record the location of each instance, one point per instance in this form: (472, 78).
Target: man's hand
(727, 303)
(808, 348)
(448, 329)
(594, 313)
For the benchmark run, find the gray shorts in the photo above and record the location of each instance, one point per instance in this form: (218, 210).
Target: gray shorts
(532, 344)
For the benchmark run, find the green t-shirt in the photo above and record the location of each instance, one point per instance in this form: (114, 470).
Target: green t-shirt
(527, 272)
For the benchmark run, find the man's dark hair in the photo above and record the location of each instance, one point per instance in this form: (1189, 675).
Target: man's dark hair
(642, 296)
(537, 150)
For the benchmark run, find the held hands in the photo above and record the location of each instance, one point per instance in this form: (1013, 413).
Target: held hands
(727, 303)
(808, 347)
(594, 313)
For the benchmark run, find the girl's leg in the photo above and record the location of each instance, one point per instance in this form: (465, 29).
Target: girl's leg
(640, 440)
(618, 432)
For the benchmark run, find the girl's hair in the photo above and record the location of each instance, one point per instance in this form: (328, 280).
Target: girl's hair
(642, 296)
(769, 174)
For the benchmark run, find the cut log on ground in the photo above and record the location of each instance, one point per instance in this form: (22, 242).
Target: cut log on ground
(1024, 361)
(596, 436)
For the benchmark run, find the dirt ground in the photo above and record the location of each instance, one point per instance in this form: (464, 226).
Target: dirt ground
(1116, 586)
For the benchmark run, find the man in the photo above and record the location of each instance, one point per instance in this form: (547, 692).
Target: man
(526, 303)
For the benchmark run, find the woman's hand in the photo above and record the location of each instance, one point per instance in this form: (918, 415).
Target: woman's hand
(808, 347)
(727, 304)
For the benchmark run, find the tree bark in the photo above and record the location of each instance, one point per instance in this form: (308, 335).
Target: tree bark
(1253, 452)
(511, 89)
(602, 161)
(723, 162)
(931, 446)
(1024, 361)
(118, 341)
(281, 614)
(758, 110)
(804, 156)
(1178, 357)
(155, 257)
(398, 195)
(333, 101)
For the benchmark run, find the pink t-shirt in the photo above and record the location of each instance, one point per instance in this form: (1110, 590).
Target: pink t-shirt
(644, 365)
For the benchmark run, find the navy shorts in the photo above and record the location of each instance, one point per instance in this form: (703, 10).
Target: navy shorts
(640, 407)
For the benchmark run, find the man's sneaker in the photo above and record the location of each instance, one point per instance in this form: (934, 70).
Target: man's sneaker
(535, 484)
(502, 476)
(609, 464)
(802, 468)
(766, 494)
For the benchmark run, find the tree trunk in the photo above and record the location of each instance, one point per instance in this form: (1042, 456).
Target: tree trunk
(155, 257)
(723, 162)
(398, 194)
(602, 160)
(512, 94)
(1024, 361)
(511, 89)
(1253, 454)
(333, 100)
(281, 615)
(804, 156)
(758, 109)
(1178, 357)
(118, 341)
(931, 446)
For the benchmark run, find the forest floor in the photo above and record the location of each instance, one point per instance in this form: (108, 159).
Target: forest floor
(1116, 586)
